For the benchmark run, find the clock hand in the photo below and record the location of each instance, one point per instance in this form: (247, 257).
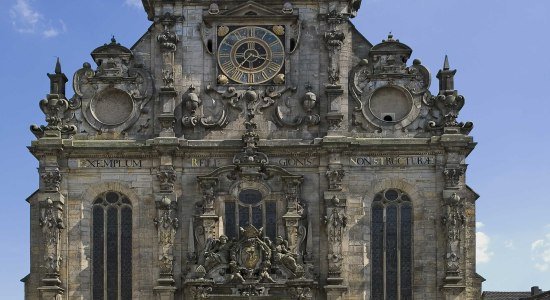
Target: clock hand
(245, 60)
(261, 57)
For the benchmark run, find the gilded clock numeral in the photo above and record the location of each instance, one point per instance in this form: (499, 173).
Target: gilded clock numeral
(236, 74)
(251, 31)
(264, 75)
(228, 64)
(251, 45)
(250, 78)
(273, 67)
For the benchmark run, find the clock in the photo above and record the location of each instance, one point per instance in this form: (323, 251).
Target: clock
(251, 54)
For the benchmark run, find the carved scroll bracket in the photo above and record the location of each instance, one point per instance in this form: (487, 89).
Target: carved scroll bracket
(51, 222)
(309, 103)
(336, 223)
(453, 220)
(167, 223)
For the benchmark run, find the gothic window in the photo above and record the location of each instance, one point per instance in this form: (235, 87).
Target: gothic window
(112, 247)
(391, 233)
(250, 209)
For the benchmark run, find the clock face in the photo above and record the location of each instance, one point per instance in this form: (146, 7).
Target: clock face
(251, 55)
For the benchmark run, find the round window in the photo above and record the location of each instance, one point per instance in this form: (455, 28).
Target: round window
(250, 197)
(390, 104)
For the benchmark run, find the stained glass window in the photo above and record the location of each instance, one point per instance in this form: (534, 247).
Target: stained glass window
(391, 233)
(112, 247)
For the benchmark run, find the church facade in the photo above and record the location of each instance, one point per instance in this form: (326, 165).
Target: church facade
(252, 150)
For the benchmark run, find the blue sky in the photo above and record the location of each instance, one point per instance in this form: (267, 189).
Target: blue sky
(500, 48)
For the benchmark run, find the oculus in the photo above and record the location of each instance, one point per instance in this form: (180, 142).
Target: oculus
(251, 55)
(112, 107)
(390, 104)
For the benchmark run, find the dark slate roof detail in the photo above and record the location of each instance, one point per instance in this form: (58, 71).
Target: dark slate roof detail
(505, 295)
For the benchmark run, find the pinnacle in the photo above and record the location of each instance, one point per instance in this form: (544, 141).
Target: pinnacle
(58, 67)
(446, 65)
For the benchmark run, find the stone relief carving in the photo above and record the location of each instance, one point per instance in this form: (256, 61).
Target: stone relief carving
(335, 177)
(286, 117)
(336, 222)
(334, 40)
(452, 176)
(114, 96)
(251, 258)
(384, 77)
(300, 293)
(51, 179)
(167, 177)
(51, 221)
(167, 224)
(191, 102)
(454, 220)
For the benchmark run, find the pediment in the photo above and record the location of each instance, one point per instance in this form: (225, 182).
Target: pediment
(250, 12)
(251, 8)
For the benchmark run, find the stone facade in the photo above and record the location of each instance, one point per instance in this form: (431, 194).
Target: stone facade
(186, 170)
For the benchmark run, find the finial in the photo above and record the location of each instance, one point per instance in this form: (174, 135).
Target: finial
(113, 40)
(58, 67)
(446, 65)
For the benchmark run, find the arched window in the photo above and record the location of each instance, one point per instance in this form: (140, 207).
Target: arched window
(391, 233)
(250, 209)
(112, 247)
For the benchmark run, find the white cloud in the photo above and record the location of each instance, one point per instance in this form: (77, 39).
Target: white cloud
(483, 255)
(509, 244)
(540, 253)
(26, 19)
(479, 225)
(133, 3)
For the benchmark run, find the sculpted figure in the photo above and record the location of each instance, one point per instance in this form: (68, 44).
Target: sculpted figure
(283, 255)
(235, 273)
(217, 252)
(264, 274)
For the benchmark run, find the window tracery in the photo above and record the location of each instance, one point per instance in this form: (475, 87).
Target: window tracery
(112, 247)
(391, 233)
